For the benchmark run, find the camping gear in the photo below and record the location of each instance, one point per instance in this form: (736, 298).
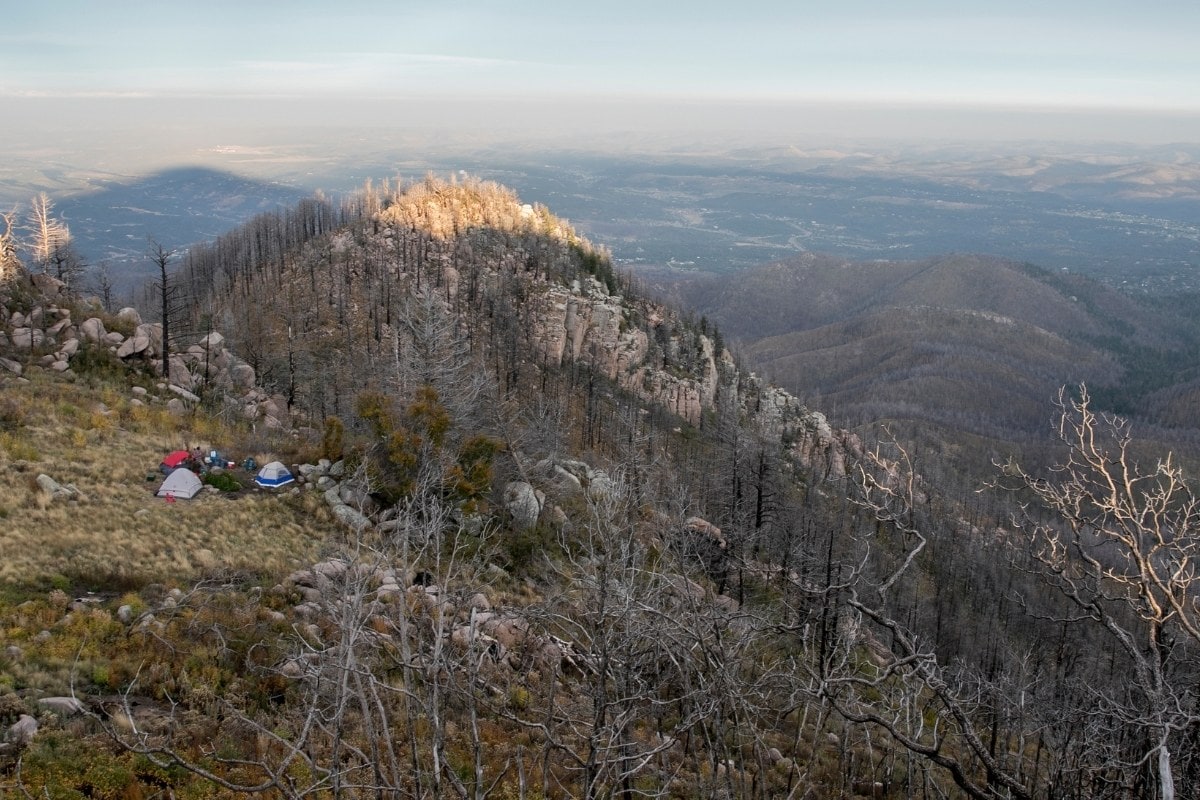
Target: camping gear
(174, 460)
(274, 474)
(250, 465)
(182, 483)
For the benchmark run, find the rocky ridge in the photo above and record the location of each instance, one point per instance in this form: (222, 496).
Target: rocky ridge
(582, 316)
(585, 323)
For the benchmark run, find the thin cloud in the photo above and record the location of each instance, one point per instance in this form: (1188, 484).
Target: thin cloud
(73, 94)
(358, 72)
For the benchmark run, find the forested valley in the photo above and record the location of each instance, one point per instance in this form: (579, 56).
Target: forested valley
(961, 356)
(593, 554)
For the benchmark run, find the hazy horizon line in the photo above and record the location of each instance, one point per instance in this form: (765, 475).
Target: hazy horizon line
(542, 116)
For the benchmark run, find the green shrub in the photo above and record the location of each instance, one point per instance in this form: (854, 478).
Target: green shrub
(101, 676)
(12, 414)
(99, 362)
(221, 480)
(526, 548)
(17, 448)
(11, 707)
(333, 438)
(518, 698)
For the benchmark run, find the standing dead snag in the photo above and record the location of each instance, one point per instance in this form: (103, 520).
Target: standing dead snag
(1122, 548)
(161, 257)
(8, 247)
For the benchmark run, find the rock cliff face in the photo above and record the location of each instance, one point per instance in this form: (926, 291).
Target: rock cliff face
(585, 324)
(639, 345)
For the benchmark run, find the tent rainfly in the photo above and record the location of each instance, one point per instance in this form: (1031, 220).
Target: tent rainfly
(180, 484)
(274, 474)
(174, 460)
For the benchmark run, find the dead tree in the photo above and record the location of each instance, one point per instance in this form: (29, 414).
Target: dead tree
(169, 297)
(1121, 547)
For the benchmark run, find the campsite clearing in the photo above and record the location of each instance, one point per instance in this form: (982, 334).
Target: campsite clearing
(122, 534)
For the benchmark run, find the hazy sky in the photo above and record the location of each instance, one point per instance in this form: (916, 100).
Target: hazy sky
(1051, 55)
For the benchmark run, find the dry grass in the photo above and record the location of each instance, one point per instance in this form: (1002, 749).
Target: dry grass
(121, 534)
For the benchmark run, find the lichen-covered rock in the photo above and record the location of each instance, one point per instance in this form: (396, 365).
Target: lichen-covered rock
(27, 338)
(93, 330)
(351, 517)
(54, 489)
(22, 732)
(63, 706)
(56, 330)
(600, 486)
(184, 394)
(523, 504)
(565, 479)
(357, 497)
(333, 498)
(129, 316)
(180, 375)
(47, 285)
(146, 342)
(132, 346)
(821, 448)
(242, 376)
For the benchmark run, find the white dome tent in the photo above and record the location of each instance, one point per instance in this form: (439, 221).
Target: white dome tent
(181, 484)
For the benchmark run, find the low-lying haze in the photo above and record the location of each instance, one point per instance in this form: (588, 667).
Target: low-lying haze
(675, 138)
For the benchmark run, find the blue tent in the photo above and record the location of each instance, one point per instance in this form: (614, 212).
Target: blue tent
(274, 474)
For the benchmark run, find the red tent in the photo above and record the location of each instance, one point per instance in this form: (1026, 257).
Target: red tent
(175, 459)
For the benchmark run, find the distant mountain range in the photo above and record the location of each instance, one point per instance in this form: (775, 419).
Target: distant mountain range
(1130, 224)
(1125, 216)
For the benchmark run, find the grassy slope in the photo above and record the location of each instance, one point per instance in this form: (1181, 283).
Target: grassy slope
(121, 534)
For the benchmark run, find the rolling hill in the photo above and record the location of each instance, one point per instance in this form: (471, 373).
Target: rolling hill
(963, 345)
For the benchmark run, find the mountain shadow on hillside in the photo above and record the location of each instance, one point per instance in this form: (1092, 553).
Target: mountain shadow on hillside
(178, 207)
